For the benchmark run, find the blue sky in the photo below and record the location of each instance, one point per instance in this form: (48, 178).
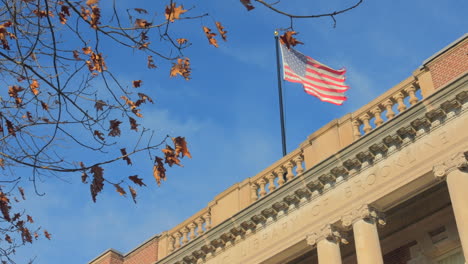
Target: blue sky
(228, 112)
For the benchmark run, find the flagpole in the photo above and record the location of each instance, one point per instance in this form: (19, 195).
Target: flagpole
(280, 95)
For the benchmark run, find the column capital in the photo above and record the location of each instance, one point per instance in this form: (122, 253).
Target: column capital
(329, 232)
(458, 161)
(365, 212)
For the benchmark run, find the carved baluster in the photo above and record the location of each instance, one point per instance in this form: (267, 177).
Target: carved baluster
(401, 104)
(184, 232)
(388, 104)
(207, 217)
(412, 94)
(289, 168)
(365, 119)
(378, 119)
(262, 184)
(177, 235)
(253, 191)
(356, 132)
(271, 180)
(192, 227)
(299, 169)
(200, 222)
(170, 247)
(280, 173)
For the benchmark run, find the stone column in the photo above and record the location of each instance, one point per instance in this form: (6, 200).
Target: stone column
(455, 171)
(364, 222)
(328, 241)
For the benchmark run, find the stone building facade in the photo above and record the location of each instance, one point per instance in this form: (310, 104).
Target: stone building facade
(387, 183)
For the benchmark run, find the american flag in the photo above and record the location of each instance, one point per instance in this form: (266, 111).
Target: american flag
(318, 79)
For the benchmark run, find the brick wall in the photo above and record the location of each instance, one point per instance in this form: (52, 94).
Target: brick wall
(146, 254)
(449, 65)
(109, 257)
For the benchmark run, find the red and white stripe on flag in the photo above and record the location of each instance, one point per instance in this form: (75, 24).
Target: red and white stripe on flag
(318, 79)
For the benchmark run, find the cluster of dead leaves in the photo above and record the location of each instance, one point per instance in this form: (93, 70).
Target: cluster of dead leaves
(289, 40)
(95, 62)
(211, 36)
(171, 156)
(182, 68)
(4, 33)
(16, 221)
(143, 98)
(91, 13)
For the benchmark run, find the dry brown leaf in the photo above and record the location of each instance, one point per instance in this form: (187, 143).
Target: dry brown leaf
(133, 193)
(95, 16)
(99, 105)
(76, 55)
(150, 63)
(14, 91)
(159, 172)
(98, 181)
(247, 4)
(2, 163)
(173, 12)
(170, 156)
(181, 147)
(87, 50)
(137, 180)
(141, 10)
(64, 13)
(99, 134)
(4, 33)
(84, 175)
(29, 116)
(142, 23)
(136, 83)
(181, 41)
(210, 36)
(92, 2)
(29, 219)
(4, 206)
(47, 234)
(21, 190)
(8, 239)
(126, 158)
(288, 40)
(133, 124)
(34, 87)
(120, 190)
(182, 68)
(45, 106)
(114, 128)
(221, 31)
(10, 127)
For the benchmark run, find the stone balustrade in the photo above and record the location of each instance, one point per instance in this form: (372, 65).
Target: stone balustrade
(394, 102)
(188, 230)
(277, 175)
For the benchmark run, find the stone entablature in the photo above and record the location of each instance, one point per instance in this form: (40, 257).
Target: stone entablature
(331, 187)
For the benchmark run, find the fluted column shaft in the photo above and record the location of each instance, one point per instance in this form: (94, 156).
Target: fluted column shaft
(328, 252)
(367, 242)
(457, 182)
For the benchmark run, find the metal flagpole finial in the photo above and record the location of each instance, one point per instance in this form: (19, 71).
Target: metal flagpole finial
(276, 33)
